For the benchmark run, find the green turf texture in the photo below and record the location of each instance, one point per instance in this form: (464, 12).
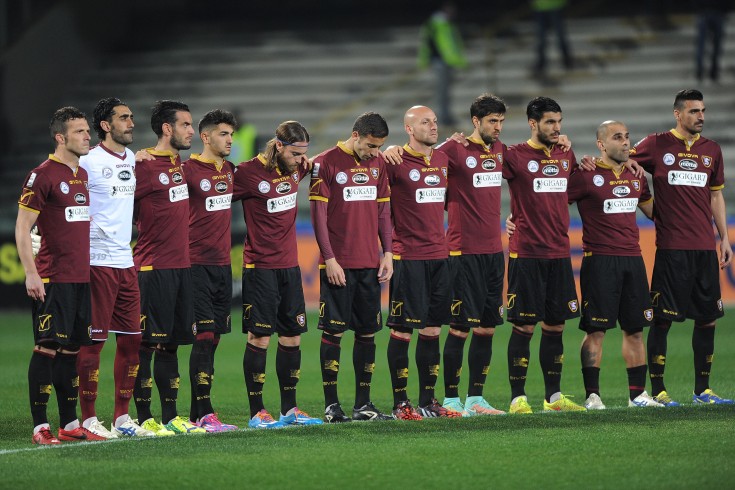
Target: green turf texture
(691, 446)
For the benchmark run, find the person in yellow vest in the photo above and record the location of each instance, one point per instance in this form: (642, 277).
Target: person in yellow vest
(244, 142)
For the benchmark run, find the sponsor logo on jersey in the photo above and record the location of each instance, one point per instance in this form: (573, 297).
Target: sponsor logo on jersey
(669, 159)
(283, 188)
(489, 164)
(264, 187)
(414, 175)
(76, 213)
(430, 195)
(360, 178)
(205, 185)
(617, 206)
(64, 187)
(688, 164)
(125, 175)
(432, 180)
(177, 178)
(691, 179)
(487, 179)
(341, 178)
(178, 193)
(598, 180)
(122, 191)
(364, 193)
(549, 185)
(221, 187)
(163, 179)
(707, 161)
(550, 170)
(107, 172)
(80, 198)
(471, 162)
(621, 190)
(218, 203)
(533, 166)
(280, 204)
(31, 179)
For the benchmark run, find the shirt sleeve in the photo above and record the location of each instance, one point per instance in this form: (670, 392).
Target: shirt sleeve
(642, 152)
(577, 187)
(319, 187)
(35, 192)
(321, 230)
(142, 181)
(239, 181)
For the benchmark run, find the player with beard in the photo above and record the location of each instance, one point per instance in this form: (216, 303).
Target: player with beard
(272, 293)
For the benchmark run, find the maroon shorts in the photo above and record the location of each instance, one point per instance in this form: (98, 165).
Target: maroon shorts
(115, 301)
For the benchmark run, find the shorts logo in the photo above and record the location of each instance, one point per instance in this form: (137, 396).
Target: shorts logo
(471, 162)
(177, 178)
(598, 180)
(669, 159)
(163, 179)
(655, 295)
(489, 164)
(44, 323)
(511, 300)
(402, 373)
(688, 164)
(80, 198)
(550, 170)
(396, 308)
(125, 175)
(719, 304)
(264, 187)
(648, 314)
(107, 172)
(246, 311)
(205, 185)
(301, 319)
(375, 173)
(321, 309)
(143, 319)
(573, 306)
(221, 187)
(331, 365)
(456, 307)
(360, 178)
(414, 175)
(533, 166)
(194, 328)
(432, 180)
(341, 178)
(64, 187)
(378, 319)
(707, 161)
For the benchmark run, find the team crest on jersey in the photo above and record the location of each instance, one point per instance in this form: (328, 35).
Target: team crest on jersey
(444, 171)
(80, 198)
(598, 180)
(264, 187)
(163, 179)
(533, 166)
(177, 178)
(648, 314)
(565, 165)
(707, 161)
(669, 159)
(573, 306)
(636, 184)
(414, 175)
(64, 187)
(374, 172)
(107, 172)
(205, 185)
(301, 319)
(341, 178)
(471, 162)
(295, 177)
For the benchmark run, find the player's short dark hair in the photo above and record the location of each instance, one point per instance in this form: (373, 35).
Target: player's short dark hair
(539, 105)
(687, 94)
(487, 104)
(371, 124)
(216, 117)
(104, 111)
(61, 117)
(288, 132)
(164, 111)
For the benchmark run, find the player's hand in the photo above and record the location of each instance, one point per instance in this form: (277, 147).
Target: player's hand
(35, 240)
(588, 163)
(385, 270)
(459, 138)
(510, 227)
(143, 155)
(307, 164)
(335, 273)
(725, 254)
(633, 166)
(392, 154)
(34, 287)
(564, 142)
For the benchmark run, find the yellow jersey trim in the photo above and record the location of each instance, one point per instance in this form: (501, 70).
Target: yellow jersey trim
(513, 255)
(217, 165)
(318, 198)
(539, 146)
(411, 151)
(45, 280)
(146, 268)
(250, 266)
(384, 199)
(29, 209)
(455, 253)
(606, 166)
(396, 257)
(717, 187)
(262, 159)
(588, 254)
(322, 266)
(684, 140)
(56, 159)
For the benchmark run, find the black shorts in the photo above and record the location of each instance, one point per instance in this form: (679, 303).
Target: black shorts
(420, 294)
(273, 302)
(212, 292)
(614, 289)
(478, 290)
(64, 316)
(166, 306)
(355, 306)
(686, 284)
(541, 290)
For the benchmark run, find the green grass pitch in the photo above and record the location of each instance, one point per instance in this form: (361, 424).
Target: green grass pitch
(617, 448)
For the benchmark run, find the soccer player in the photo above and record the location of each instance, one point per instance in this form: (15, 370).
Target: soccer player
(540, 279)
(210, 179)
(115, 294)
(350, 208)
(420, 289)
(272, 294)
(55, 195)
(161, 257)
(613, 277)
(688, 177)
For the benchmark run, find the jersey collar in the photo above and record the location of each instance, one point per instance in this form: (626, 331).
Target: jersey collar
(217, 165)
(264, 162)
(684, 140)
(54, 158)
(411, 151)
(541, 147)
(165, 153)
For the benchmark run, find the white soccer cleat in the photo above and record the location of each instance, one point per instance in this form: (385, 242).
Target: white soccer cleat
(594, 402)
(98, 429)
(130, 428)
(644, 400)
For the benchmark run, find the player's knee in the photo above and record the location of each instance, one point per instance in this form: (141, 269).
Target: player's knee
(289, 340)
(205, 337)
(553, 325)
(459, 332)
(486, 331)
(167, 348)
(47, 349)
(704, 325)
(527, 329)
(70, 349)
(365, 339)
(258, 340)
(431, 331)
(401, 333)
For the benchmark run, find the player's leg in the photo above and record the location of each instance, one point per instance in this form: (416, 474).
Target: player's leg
(334, 317)
(40, 372)
(591, 354)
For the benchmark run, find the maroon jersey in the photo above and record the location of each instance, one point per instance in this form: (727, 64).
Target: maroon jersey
(418, 188)
(537, 179)
(59, 196)
(683, 178)
(269, 204)
(607, 203)
(352, 189)
(473, 197)
(161, 213)
(210, 215)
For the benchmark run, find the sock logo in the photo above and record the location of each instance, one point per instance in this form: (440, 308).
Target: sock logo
(660, 360)
(296, 373)
(44, 389)
(258, 377)
(75, 382)
(133, 371)
(174, 383)
(458, 373)
(44, 322)
(146, 383)
(202, 378)
(559, 359)
(520, 362)
(434, 370)
(369, 367)
(331, 365)
(402, 373)
(94, 375)
(709, 358)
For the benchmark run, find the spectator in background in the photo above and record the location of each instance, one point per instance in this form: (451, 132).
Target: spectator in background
(441, 47)
(550, 13)
(710, 26)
